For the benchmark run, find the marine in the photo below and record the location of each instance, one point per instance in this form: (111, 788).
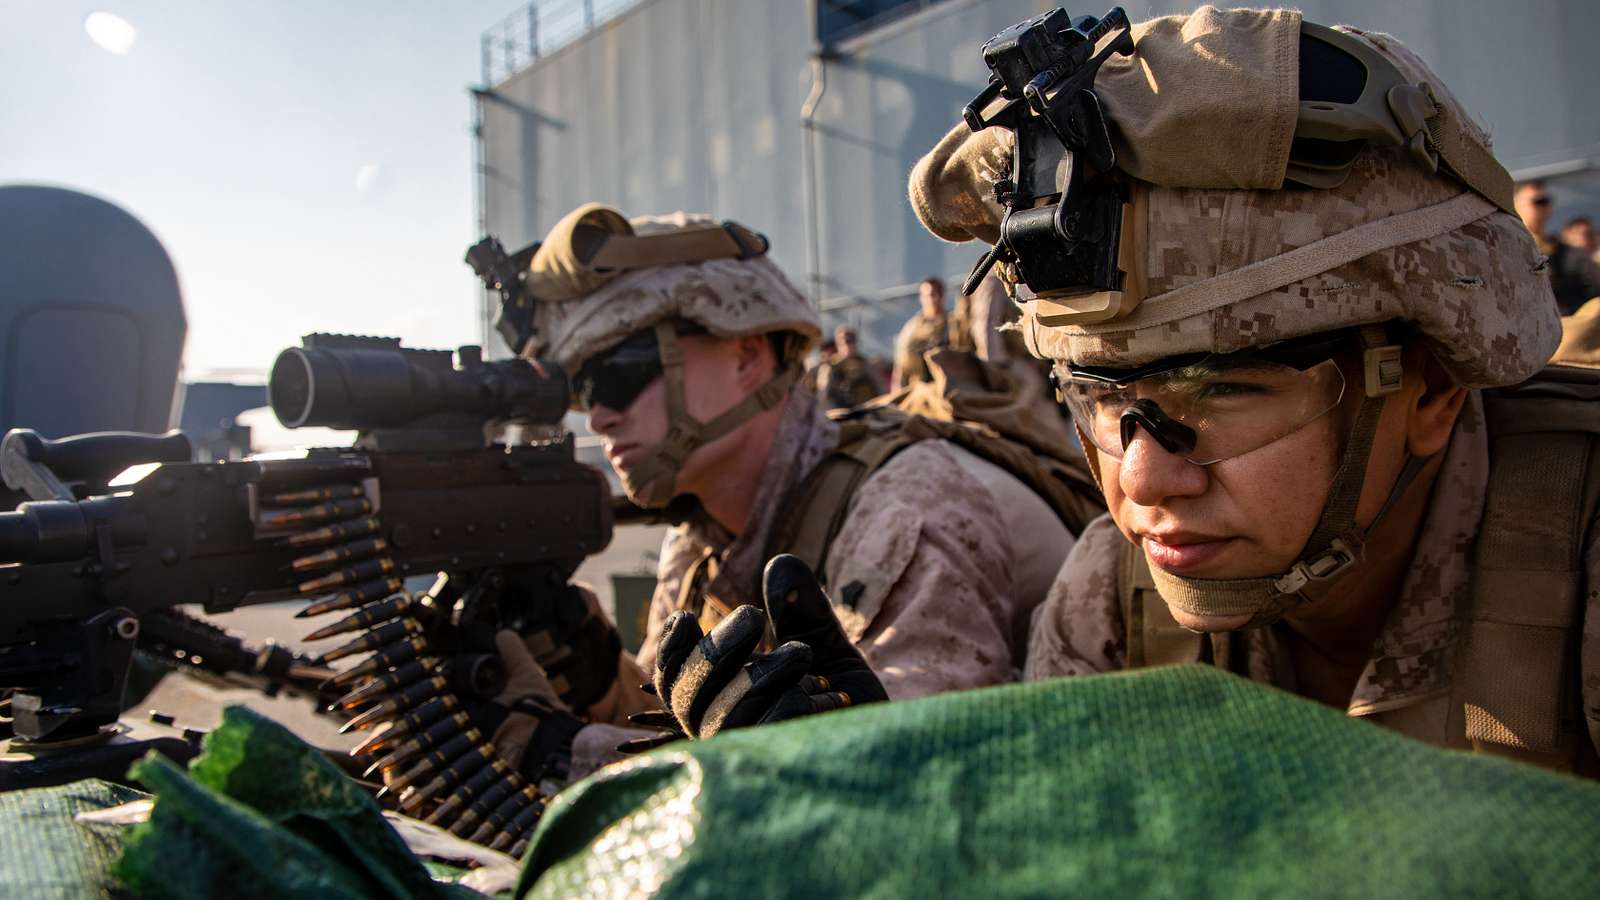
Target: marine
(929, 329)
(1315, 392)
(684, 342)
(847, 379)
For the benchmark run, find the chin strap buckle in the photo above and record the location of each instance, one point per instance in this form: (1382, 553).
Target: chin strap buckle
(1322, 569)
(1384, 370)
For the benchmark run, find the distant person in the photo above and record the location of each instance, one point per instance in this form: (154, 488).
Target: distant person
(925, 331)
(848, 379)
(1574, 278)
(1579, 232)
(815, 364)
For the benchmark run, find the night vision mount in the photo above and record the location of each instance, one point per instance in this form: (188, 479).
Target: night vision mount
(506, 273)
(1063, 203)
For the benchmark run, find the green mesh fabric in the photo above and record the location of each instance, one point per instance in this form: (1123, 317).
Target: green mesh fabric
(1181, 781)
(44, 854)
(258, 814)
(262, 814)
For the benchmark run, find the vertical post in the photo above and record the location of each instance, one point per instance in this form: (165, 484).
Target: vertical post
(588, 15)
(533, 28)
(480, 185)
(484, 55)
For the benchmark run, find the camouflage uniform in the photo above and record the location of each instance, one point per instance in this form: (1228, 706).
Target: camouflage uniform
(919, 335)
(939, 565)
(846, 382)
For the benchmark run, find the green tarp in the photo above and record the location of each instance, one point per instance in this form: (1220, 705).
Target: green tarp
(262, 814)
(258, 814)
(1173, 782)
(44, 854)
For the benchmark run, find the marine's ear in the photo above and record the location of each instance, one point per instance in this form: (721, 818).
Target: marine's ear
(756, 361)
(1434, 405)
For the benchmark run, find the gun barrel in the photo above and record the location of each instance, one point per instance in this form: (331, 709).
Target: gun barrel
(48, 531)
(18, 537)
(373, 383)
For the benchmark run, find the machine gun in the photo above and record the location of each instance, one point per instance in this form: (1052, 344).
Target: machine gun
(89, 564)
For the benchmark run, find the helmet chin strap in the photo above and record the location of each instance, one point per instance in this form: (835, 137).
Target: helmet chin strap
(653, 482)
(1335, 546)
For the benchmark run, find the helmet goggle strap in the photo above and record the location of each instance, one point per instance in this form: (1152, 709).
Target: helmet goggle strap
(1336, 543)
(653, 482)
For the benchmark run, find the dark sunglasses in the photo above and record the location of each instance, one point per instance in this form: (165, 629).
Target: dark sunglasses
(616, 378)
(1541, 201)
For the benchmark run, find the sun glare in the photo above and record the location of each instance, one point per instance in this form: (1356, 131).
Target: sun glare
(111, 32)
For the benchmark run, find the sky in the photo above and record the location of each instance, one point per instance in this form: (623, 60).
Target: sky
(308, 165)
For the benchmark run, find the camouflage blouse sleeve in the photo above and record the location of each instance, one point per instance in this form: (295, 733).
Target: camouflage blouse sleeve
(919, 577)
(1078, 629)
(679, 551)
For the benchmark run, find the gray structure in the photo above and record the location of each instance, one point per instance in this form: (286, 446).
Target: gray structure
(91, 320)
(732, 107)
(208, 415)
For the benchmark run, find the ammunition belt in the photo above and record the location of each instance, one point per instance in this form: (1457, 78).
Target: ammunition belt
(414, 691)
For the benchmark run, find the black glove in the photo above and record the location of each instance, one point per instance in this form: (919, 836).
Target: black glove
(709, 682)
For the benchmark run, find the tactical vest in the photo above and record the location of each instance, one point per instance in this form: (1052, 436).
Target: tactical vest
(976, 420)
(1514, 686)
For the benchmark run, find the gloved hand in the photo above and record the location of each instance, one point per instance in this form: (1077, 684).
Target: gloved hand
(575, 644)
(710, 682)
(535, 735)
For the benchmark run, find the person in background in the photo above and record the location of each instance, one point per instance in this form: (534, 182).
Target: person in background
(1579, 232)
(816, 364)
(1574, 277)
(924, 331)
(847, 380)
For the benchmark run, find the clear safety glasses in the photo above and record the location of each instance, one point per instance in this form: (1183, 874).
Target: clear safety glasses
(1209, 408)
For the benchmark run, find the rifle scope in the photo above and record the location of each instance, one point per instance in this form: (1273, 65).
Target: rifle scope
(368, 383)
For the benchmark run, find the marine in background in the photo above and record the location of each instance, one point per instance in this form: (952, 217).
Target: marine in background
(928, 330)
(1574, 277)
(685, 342)
(1313, 389)
(846, 380)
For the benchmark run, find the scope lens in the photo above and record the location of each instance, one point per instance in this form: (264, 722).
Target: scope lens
(289, 389)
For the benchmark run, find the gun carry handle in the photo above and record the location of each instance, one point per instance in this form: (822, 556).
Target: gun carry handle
(94, 458)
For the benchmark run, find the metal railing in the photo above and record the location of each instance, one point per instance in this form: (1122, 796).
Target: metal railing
(539, 29)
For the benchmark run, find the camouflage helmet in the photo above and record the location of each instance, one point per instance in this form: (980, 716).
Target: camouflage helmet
(600, 278)
(583, 308)
(1217, 254)
(1216, 268)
